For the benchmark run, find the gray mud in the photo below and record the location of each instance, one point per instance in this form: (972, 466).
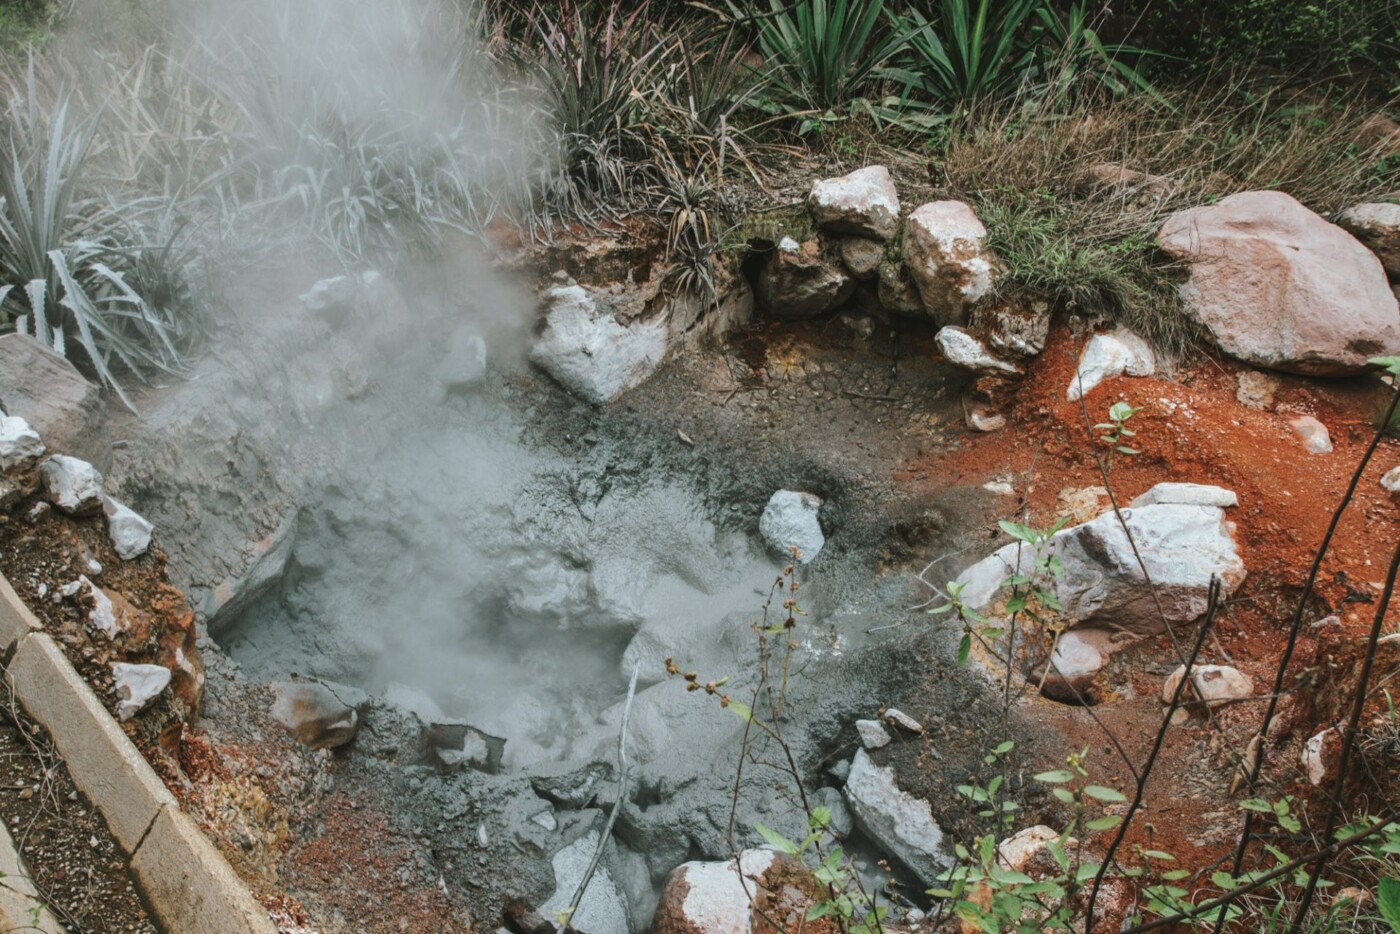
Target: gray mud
(512, 553)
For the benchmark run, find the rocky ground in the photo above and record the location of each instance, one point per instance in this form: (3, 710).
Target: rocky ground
(346, 502)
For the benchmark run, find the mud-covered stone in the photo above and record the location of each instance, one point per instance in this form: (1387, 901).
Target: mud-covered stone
(901, 824)
(790, 520)
(802, 280)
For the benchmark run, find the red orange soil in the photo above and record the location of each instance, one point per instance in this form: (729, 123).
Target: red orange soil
(1193, 428)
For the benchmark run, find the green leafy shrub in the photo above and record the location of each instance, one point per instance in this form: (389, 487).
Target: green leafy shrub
(70, 260)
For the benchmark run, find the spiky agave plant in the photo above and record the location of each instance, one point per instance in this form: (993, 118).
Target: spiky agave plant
(63, 271)
(823, 54)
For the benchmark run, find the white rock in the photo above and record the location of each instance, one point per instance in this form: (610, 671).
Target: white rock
(711, 898)
(330, 295)
(545, 819)
(20, 445)
(790, 521)
(1182, 547)
(130, 533)
(137, 686)
(1391, 480)
(999, 487)
(464, 365)
(872, 734)
(590, 353)
(1187, 494)
(1314, 755)
(965, 350)
(102, 615)
(904, 720)
(864, 203)
(603, 908)
(1312, 433)
(1109, 355)
(1020, 850)
(945, 252)
(72, 485)
(1215, 684)
(901, 824)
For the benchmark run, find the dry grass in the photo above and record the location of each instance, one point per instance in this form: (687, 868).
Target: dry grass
(1090, 245)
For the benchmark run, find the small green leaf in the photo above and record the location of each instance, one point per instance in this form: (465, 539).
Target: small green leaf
(1107, 822)
(1100, 793)
(1222, 880)
(741, 710)
(1390, 365)
(1388, 895)
(964, 648)
(1086, 872)
(1055, 777)
(819, 818)
(1159, 854)
(1063, 794)
(820, 910)
(779, 842)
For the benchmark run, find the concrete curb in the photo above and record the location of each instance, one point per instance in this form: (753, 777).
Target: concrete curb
(187, 883)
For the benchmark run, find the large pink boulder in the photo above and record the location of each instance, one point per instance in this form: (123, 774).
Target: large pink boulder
(1280, 287)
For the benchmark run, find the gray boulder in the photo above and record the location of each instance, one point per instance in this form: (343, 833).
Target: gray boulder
(899, 823)
(1182, 547)
(1378, 227)
(945, 248)
(49, 393)
(802, 280)
(589, 352)
(1279, 287)
(790, 521)
(864, 203)
(266, 561)
(603, 909)
(861, 256)
(72, 485)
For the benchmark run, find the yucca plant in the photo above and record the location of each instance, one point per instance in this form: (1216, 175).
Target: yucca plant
(63, 271)
(823, 54)
(976, 49)
(970, 50)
